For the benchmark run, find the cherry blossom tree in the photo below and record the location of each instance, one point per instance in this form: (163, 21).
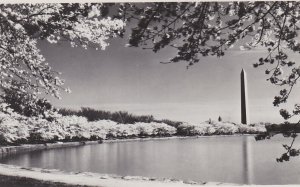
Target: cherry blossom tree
(200, 29)
(23, 68)
(27, 104)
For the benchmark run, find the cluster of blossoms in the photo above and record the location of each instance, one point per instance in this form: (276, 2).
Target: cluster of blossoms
(15, 128)
(12, 126)
(216, 128)
(22, 65)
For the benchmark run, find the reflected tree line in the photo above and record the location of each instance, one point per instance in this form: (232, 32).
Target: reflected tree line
(288, 130)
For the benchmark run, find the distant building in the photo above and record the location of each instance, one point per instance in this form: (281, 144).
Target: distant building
(219, 119)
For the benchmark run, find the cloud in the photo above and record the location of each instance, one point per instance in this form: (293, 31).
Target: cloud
(245, 48)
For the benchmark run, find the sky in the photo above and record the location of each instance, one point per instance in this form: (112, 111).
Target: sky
(134, 80)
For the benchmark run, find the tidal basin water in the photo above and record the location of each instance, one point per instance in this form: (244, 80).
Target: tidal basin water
(231, 159)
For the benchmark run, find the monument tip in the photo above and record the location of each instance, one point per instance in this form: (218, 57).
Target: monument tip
(243, 71)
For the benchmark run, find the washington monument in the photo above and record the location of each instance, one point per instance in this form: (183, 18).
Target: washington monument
(244, 99)
(247, 149)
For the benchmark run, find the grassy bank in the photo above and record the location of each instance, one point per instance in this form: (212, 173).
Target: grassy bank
(17, 181)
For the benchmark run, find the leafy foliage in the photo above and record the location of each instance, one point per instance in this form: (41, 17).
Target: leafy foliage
(119, 117)
(95, 115)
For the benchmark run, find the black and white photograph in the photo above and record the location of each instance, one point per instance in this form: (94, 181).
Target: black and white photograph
(149, 93)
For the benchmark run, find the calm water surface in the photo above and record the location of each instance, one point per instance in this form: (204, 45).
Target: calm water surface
(234, 159)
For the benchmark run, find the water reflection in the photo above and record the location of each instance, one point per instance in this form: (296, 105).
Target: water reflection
(247, 154)
(289, 150)
(234, 159)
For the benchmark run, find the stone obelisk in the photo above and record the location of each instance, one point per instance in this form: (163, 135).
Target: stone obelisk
(244, 99)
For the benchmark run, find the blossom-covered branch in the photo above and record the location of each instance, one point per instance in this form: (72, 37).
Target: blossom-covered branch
(22, 25)
(203, 29)
(22, 66)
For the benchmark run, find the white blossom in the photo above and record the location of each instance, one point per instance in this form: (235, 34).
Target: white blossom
(23, 25)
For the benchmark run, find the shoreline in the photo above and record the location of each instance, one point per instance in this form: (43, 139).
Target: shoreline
(15, 176)
(8, 150)
(171, 138)
(54, 178)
